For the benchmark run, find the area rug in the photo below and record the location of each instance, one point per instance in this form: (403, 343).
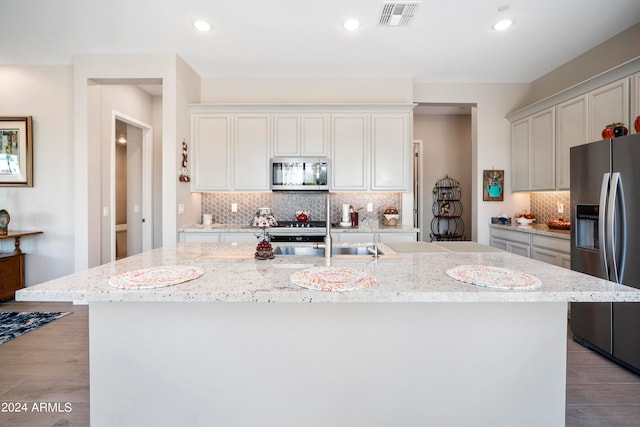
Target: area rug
(14, 324)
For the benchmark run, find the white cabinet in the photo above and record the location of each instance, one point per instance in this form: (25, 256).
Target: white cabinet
(252, 152)
(390, 152)
(543, 143)
(230, 152)
(511, 241)
(608, 104)
(520, 155)
(300, 134)
(635, 101)
(349, 152)
(369, 146)
(218, 236)
(571, 130)
(198, 237)
(551, 250)
(211, 149)
(369, 237)
(244, 237)
(533, 152)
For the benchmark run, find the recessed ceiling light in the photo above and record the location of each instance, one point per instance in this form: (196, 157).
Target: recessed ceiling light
(351, 24)
(203, 26)
(502, 25)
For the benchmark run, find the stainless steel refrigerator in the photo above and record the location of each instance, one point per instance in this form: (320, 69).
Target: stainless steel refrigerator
(605, 242)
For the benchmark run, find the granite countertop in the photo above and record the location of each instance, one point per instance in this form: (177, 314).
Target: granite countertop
(412, 272)
(239, 228)
(541, 229)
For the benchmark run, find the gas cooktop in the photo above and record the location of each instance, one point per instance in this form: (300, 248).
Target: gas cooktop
(298, 224)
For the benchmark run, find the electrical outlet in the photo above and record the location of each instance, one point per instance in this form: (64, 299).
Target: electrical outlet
(234, 207)
(369, 207)
(180, 208)
(105, 211)
(560, 207)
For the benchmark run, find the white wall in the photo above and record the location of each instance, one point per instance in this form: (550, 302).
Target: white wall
(46, 93)
(247, 90)
(187, 92)
(491, 146)
(125, 69)
(446, 150)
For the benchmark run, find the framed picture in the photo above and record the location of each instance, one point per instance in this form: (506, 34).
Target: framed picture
(492, 185)
(16, 152)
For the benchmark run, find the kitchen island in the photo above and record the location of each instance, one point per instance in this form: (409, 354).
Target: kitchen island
(242, 345)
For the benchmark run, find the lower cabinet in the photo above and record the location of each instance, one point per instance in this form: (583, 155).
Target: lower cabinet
(552, 250)
(214, 237)
(368, 237)
(511, 241)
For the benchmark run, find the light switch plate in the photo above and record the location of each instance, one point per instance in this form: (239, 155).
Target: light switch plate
(369, 207)
(234, 207)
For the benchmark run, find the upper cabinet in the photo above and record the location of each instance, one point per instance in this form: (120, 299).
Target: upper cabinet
(349, 152)
(572, 129)
(532, 148)
(300, 134)
(369, 146)
(390, 153)
(252, 152)
(608, 104)
(635, 101)
(543, 134)
(212, 137)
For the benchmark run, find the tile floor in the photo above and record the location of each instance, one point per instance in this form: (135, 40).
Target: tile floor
(51, 364)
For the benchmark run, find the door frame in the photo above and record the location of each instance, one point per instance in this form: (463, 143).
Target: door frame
(147, 180)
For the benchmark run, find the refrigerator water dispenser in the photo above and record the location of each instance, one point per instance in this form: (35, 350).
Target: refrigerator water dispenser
(587, 227)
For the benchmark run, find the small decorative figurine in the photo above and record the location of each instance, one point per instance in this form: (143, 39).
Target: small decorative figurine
(184, 171)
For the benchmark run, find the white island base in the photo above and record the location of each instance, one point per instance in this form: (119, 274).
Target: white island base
(327, 364)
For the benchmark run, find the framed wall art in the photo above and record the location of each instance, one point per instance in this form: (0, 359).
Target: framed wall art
(492, 185)
(16, 152)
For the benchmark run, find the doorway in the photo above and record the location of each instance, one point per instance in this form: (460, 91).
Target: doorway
(131, 160)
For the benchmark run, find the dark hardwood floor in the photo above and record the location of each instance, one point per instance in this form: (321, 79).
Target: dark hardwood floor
(51, 365)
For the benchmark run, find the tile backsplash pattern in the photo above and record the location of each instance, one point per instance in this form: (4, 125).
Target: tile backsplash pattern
(285, 204)
(544, 205)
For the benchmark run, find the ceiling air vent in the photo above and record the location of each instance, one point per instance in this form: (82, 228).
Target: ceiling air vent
(396, 13)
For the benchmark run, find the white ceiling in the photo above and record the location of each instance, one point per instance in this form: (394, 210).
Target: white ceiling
(448, 41)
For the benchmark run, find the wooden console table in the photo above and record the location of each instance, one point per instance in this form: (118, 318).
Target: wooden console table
(12, 265)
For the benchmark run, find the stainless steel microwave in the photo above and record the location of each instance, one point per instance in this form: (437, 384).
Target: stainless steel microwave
(300, 173)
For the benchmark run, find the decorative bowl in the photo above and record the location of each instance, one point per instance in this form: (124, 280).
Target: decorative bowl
(524, 221)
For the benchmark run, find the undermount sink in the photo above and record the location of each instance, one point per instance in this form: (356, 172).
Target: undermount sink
(309, 250)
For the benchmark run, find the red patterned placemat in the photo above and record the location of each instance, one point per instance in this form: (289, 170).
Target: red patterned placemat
(332, 279)
(156, 277)
(493, 277)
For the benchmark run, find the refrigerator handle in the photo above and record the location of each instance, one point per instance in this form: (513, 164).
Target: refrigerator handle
(617, 265)
(601, 223)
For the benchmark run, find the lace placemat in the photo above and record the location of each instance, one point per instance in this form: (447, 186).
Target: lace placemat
(493, 277)
(156, 277)
(332, 279)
